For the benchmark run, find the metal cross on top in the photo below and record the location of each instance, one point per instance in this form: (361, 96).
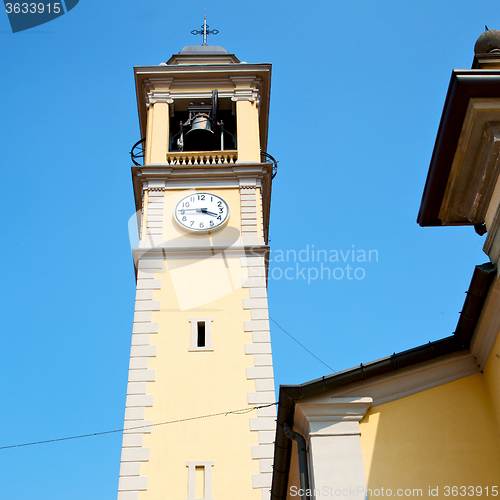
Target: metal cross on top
(204, 31)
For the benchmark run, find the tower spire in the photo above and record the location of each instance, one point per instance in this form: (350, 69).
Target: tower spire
(204, 30)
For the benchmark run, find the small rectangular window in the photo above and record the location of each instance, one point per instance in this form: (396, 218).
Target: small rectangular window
(201, 334)
(199, 480)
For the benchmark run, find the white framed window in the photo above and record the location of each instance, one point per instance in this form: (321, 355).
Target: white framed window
(201, 334)
(199, 480)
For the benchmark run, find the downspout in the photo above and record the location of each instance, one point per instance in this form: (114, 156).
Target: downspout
(303, 470)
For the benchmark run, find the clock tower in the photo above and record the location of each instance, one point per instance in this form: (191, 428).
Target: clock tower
(199, 417)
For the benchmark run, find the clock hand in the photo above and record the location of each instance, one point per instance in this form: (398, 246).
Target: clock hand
(202, 210)
(205, 211)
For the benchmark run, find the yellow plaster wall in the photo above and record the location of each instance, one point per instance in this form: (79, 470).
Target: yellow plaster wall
(157, 133)
(247, 127)
(444, 436)
(492, 379)
(200, 383)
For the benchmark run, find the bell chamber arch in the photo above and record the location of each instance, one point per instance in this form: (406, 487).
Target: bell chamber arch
(200, 124)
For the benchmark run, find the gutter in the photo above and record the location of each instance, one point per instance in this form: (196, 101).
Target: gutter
(481, 280)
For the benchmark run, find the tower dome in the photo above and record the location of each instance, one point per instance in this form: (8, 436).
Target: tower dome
(488, 42)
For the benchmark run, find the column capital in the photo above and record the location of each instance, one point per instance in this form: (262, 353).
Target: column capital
(338, 417)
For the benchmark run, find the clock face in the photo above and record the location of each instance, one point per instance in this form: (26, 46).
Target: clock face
(201, 212)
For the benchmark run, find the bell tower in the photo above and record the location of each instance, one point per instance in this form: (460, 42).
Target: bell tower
(200, 343)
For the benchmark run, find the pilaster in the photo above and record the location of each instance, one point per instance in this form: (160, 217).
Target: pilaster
(333, 436)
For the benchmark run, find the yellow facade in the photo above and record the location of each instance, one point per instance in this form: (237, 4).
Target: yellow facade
(444, 436)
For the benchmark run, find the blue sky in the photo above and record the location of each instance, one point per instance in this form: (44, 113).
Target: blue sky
(356, 97)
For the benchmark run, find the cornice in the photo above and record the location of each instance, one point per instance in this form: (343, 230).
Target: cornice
(169, 251)
(242, 69)
(250, 174)
(324, 419)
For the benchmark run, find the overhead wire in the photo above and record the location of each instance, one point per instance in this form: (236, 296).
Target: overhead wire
(301, 345)
(240, 411)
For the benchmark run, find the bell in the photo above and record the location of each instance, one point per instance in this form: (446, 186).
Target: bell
(201, 136)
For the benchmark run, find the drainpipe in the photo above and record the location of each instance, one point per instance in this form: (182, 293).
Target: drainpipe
(301, 445)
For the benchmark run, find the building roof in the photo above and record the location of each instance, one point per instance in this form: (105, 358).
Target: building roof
(203, 49)
(464, 86)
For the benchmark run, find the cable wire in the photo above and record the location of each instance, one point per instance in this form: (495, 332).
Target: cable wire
(241, 411)
(301, 345)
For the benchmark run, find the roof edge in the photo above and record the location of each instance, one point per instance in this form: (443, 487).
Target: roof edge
(464, 84)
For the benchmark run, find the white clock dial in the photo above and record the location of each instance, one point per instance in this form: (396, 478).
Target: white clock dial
(201, 212)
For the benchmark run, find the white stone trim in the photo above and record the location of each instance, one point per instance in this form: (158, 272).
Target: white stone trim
(261, 337)
(266, 437)
(130, 469)
(261, 348)
(262, 371)
(154, 216)
(135, 425)
(248, 220)
(128, 495)
(132, 440)
(132, 483)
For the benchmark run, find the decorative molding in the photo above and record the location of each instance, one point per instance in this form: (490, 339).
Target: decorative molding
(164, 96)
(248, 94)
